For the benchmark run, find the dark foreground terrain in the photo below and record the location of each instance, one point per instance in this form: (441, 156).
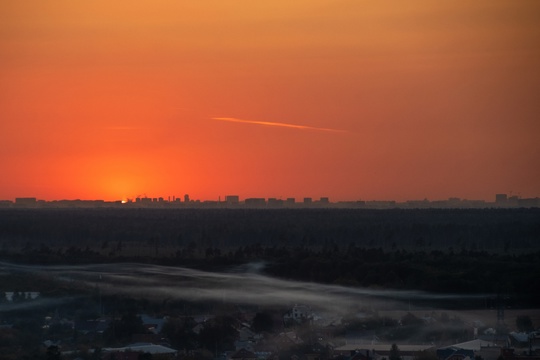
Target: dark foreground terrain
(76, 281)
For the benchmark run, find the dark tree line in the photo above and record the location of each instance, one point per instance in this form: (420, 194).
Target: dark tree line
(494, 251)
(122, 231)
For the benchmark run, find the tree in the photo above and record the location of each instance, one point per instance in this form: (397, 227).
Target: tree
(96, 355)
(53, 353)
(263, 322)
(121, 330)
(524, 323)
(180, 333)
(394, 353)
(218, 335)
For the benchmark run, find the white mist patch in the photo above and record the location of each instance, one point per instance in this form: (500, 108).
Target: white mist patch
(244, 285)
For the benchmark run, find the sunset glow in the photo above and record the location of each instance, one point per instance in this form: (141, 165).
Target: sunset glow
(350, 100)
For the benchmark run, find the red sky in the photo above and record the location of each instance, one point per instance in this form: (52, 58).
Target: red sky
(114, 99)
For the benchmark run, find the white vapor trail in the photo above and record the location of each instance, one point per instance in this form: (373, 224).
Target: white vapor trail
(278, 124)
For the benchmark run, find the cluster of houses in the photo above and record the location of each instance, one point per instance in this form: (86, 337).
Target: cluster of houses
(291, 343)
(471, 350)
(516, 346)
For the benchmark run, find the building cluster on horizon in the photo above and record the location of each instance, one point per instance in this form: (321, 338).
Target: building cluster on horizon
(234, 201)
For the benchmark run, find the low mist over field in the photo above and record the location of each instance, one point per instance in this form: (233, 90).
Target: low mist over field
(238, 287)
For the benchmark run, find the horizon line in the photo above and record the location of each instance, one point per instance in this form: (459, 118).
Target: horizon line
(499, 198)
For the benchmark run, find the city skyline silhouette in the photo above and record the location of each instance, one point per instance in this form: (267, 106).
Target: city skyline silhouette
(232, 201)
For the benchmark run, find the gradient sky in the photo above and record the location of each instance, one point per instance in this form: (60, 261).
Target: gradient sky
(346, 99)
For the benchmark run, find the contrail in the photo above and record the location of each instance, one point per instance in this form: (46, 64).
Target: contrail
(269, 123)
(121, 128)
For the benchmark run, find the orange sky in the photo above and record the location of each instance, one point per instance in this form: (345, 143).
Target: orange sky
(114, 99)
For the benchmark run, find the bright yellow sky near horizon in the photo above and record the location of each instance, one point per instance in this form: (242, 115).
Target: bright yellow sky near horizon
(110, 100)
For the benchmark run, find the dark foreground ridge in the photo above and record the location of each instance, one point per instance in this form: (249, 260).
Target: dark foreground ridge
(101, 283)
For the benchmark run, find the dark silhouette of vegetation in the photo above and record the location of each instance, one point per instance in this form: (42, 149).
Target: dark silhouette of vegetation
(394, 353)
(121, 331)
(524, 323)
(263, 322)
(219, 334)
(53, 353)
(86, 233)
(180, 333)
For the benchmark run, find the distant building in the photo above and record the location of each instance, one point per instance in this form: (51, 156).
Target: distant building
(501, 199)
(273, 202)
(533, 202)
(152, 324)
(255, 202)
(452, 353)
(290, 201)
(134, 351)
(232, 199)
(91, 326)
(26, 201)
(186, 198)
(381, 204)
(298, 313)
(382, 351)
(512, 201)
(417, 204)
(308, 201)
